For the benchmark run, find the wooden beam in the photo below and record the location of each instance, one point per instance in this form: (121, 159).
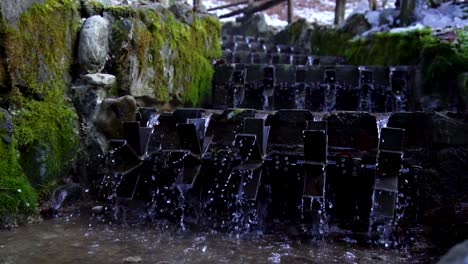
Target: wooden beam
(247, 11)
(290, 11)
(244, 2)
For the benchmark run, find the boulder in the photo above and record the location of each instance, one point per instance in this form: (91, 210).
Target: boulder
(112, 112)
(388, 16)
(356, 24)
(85, 99)
(65, 195)
(93, 44)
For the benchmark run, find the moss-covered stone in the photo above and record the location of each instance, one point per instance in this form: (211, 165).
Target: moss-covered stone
(17, 197)
(166, 58)
(38, 53)
(40, 50)
(46, 136)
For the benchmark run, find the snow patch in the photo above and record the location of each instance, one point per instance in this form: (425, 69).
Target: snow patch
(274, 21)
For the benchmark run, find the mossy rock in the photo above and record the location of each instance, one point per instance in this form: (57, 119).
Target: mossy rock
(297, 33)
(165, 58)
(17, 197)
(38, 51)
(356, 24)
(47, 138)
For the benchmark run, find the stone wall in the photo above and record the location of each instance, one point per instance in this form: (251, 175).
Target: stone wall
(53, 51)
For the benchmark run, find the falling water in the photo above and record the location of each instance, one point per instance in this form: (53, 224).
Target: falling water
(266, 102)
(382, 121)
(299, 100)
(153, 121)
(330, 98)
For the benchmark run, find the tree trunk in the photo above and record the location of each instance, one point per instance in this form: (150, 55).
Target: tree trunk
(407, 12)
(290, 11)
(339, 11)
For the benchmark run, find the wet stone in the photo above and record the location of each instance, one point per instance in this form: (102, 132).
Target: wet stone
(6, 126)
(100, 79)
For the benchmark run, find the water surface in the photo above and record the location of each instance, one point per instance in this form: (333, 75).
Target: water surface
(73, 240)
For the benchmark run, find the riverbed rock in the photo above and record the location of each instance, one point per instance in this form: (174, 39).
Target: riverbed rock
(65, 195)
(456, 255)
(112, 112)
(6, 126)
(93, 44)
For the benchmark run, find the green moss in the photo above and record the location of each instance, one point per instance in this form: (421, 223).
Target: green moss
(17, 197)
(38, 52)
(329, 42)
(45, 132)
(175, 56)
(389, 48)
(41, 49)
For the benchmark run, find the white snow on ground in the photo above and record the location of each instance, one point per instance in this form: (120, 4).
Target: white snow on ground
(443, 16)
(274, 21)
(311, 15)
(313, 11)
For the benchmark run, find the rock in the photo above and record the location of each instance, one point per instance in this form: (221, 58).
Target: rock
(298, 33)
(356, 24)
(93, 44)
(65, 196)
(6, 126)
(456, 255)
(85, 99)
(100, 79)
(202, 9)
(183, 12)
(111, 114)
(388, 16)
(12, 9)
(254, 26)
(91, 8)
(373, 18)
(122, 35)
(132, 259)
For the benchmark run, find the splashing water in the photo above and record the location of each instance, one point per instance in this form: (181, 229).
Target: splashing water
(382, 121)
(153, 121)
